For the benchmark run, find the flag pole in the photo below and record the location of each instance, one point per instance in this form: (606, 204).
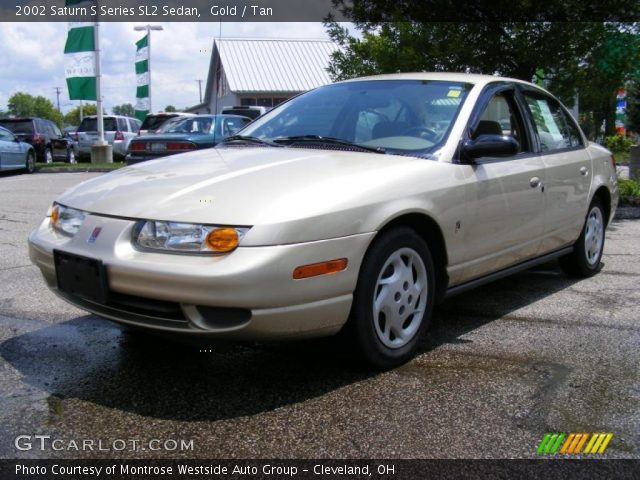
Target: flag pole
(100, 119)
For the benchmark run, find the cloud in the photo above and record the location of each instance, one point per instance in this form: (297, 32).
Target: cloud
(32, 58)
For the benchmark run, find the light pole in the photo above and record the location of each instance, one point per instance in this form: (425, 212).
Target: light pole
(148, 28)
(200, 89)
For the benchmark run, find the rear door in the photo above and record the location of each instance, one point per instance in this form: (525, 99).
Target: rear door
(568, 169)
(505, 203)
(12, 154)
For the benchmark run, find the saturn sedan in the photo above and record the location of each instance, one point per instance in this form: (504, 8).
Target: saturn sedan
(354, 208)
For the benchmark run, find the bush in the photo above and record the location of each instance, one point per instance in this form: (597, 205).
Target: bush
(618, 143)
(629, 192)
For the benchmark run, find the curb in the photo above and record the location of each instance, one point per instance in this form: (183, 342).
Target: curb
(627, 213)
(74, 170)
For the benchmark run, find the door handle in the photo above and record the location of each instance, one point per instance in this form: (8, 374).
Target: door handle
(584, 171)
(534, 182)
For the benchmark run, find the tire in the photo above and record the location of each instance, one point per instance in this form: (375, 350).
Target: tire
(31, 162)
(48, 155)
(584, 261)
(393, 300)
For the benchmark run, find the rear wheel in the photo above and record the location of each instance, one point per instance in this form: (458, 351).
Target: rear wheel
(394, 298)
(31, 162)
(584, 261)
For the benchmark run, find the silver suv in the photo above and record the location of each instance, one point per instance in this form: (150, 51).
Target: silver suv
(118, 132)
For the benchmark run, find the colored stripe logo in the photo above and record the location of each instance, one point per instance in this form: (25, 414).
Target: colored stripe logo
(574, 443)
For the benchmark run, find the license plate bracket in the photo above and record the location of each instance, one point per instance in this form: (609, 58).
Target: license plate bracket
(158, 147)
(81, 276)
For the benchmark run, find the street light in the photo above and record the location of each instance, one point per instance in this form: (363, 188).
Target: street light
(148, 28)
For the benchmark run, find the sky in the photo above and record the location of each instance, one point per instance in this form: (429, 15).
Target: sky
(32, 58)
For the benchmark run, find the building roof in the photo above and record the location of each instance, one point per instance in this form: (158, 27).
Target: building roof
(274, 65)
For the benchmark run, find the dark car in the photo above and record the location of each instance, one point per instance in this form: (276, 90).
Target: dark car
(154, 122)
(190, 133)
(45, 136)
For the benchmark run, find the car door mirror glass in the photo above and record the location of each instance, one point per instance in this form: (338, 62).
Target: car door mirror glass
(490, 145)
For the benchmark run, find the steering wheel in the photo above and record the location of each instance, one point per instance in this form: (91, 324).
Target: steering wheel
(422, 132)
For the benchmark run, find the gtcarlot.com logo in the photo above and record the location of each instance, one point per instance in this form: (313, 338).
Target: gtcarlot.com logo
(574, 443)
(46, 442)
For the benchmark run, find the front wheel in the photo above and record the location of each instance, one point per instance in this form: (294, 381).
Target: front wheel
(584, 261)
(394, 298)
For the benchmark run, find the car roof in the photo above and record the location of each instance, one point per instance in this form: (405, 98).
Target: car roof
(475, 78)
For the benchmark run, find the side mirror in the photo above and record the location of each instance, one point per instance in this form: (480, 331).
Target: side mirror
(491, 146)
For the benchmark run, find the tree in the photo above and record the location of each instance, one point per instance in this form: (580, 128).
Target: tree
(22, 104)
(73, 116)
(170, 108)
(126, 109)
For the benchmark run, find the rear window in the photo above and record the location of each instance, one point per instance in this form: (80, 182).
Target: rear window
(18, 126)
(153, 122)
(251, 113)
(91, 125)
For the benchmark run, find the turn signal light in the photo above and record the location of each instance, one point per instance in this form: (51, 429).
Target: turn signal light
(323, 268)
(55, 214)
(222, 239)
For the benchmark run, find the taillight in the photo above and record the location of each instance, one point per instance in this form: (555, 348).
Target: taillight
(119, 136)
(180, 146)
(613, 162)
(37, 139)
(137, 147)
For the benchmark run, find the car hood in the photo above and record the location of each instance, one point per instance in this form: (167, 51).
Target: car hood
(248, 186)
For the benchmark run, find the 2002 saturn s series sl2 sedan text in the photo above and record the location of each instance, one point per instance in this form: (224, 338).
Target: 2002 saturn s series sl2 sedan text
(355, 206)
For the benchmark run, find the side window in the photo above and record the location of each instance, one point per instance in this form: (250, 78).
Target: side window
(501, 117)
(232, 125)
(6, 136)
(554, 127)
(123, 126)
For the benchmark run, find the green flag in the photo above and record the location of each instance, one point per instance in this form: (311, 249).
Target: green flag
(80, 58)
(142, 78)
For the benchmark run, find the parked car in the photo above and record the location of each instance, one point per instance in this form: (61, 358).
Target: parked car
(154, 122)
(118, 132)
(339, 210)
(45, 136)
(189, 133)
(14, 153)
(252, 112)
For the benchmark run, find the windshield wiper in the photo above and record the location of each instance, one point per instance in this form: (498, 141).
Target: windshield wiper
(327, 140)
(249, 139)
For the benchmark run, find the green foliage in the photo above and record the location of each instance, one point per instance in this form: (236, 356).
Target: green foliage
(126, 109)
(629, 192)
(170, 108)
(618, 143)
(22, 104)
(73, 116)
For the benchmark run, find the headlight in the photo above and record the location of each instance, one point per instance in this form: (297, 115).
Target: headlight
(66, 220)
(187, 237)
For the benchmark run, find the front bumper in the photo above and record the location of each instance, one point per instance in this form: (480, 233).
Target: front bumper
(248, 294)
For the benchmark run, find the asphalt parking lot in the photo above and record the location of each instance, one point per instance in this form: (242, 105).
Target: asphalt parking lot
(505, 364)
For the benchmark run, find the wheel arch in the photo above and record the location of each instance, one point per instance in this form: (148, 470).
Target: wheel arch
(429, 230)
(603, 193)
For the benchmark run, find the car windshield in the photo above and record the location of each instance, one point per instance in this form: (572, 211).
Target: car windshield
(18, 126)
(191, 125)
(394, 116)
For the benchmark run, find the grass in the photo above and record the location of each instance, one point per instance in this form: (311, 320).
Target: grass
(81, 166)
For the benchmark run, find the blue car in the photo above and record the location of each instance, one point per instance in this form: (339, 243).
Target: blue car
(184, 135)
(15, 154)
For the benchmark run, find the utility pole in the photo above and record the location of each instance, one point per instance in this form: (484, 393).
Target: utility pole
(200, 89)
(58, 90)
